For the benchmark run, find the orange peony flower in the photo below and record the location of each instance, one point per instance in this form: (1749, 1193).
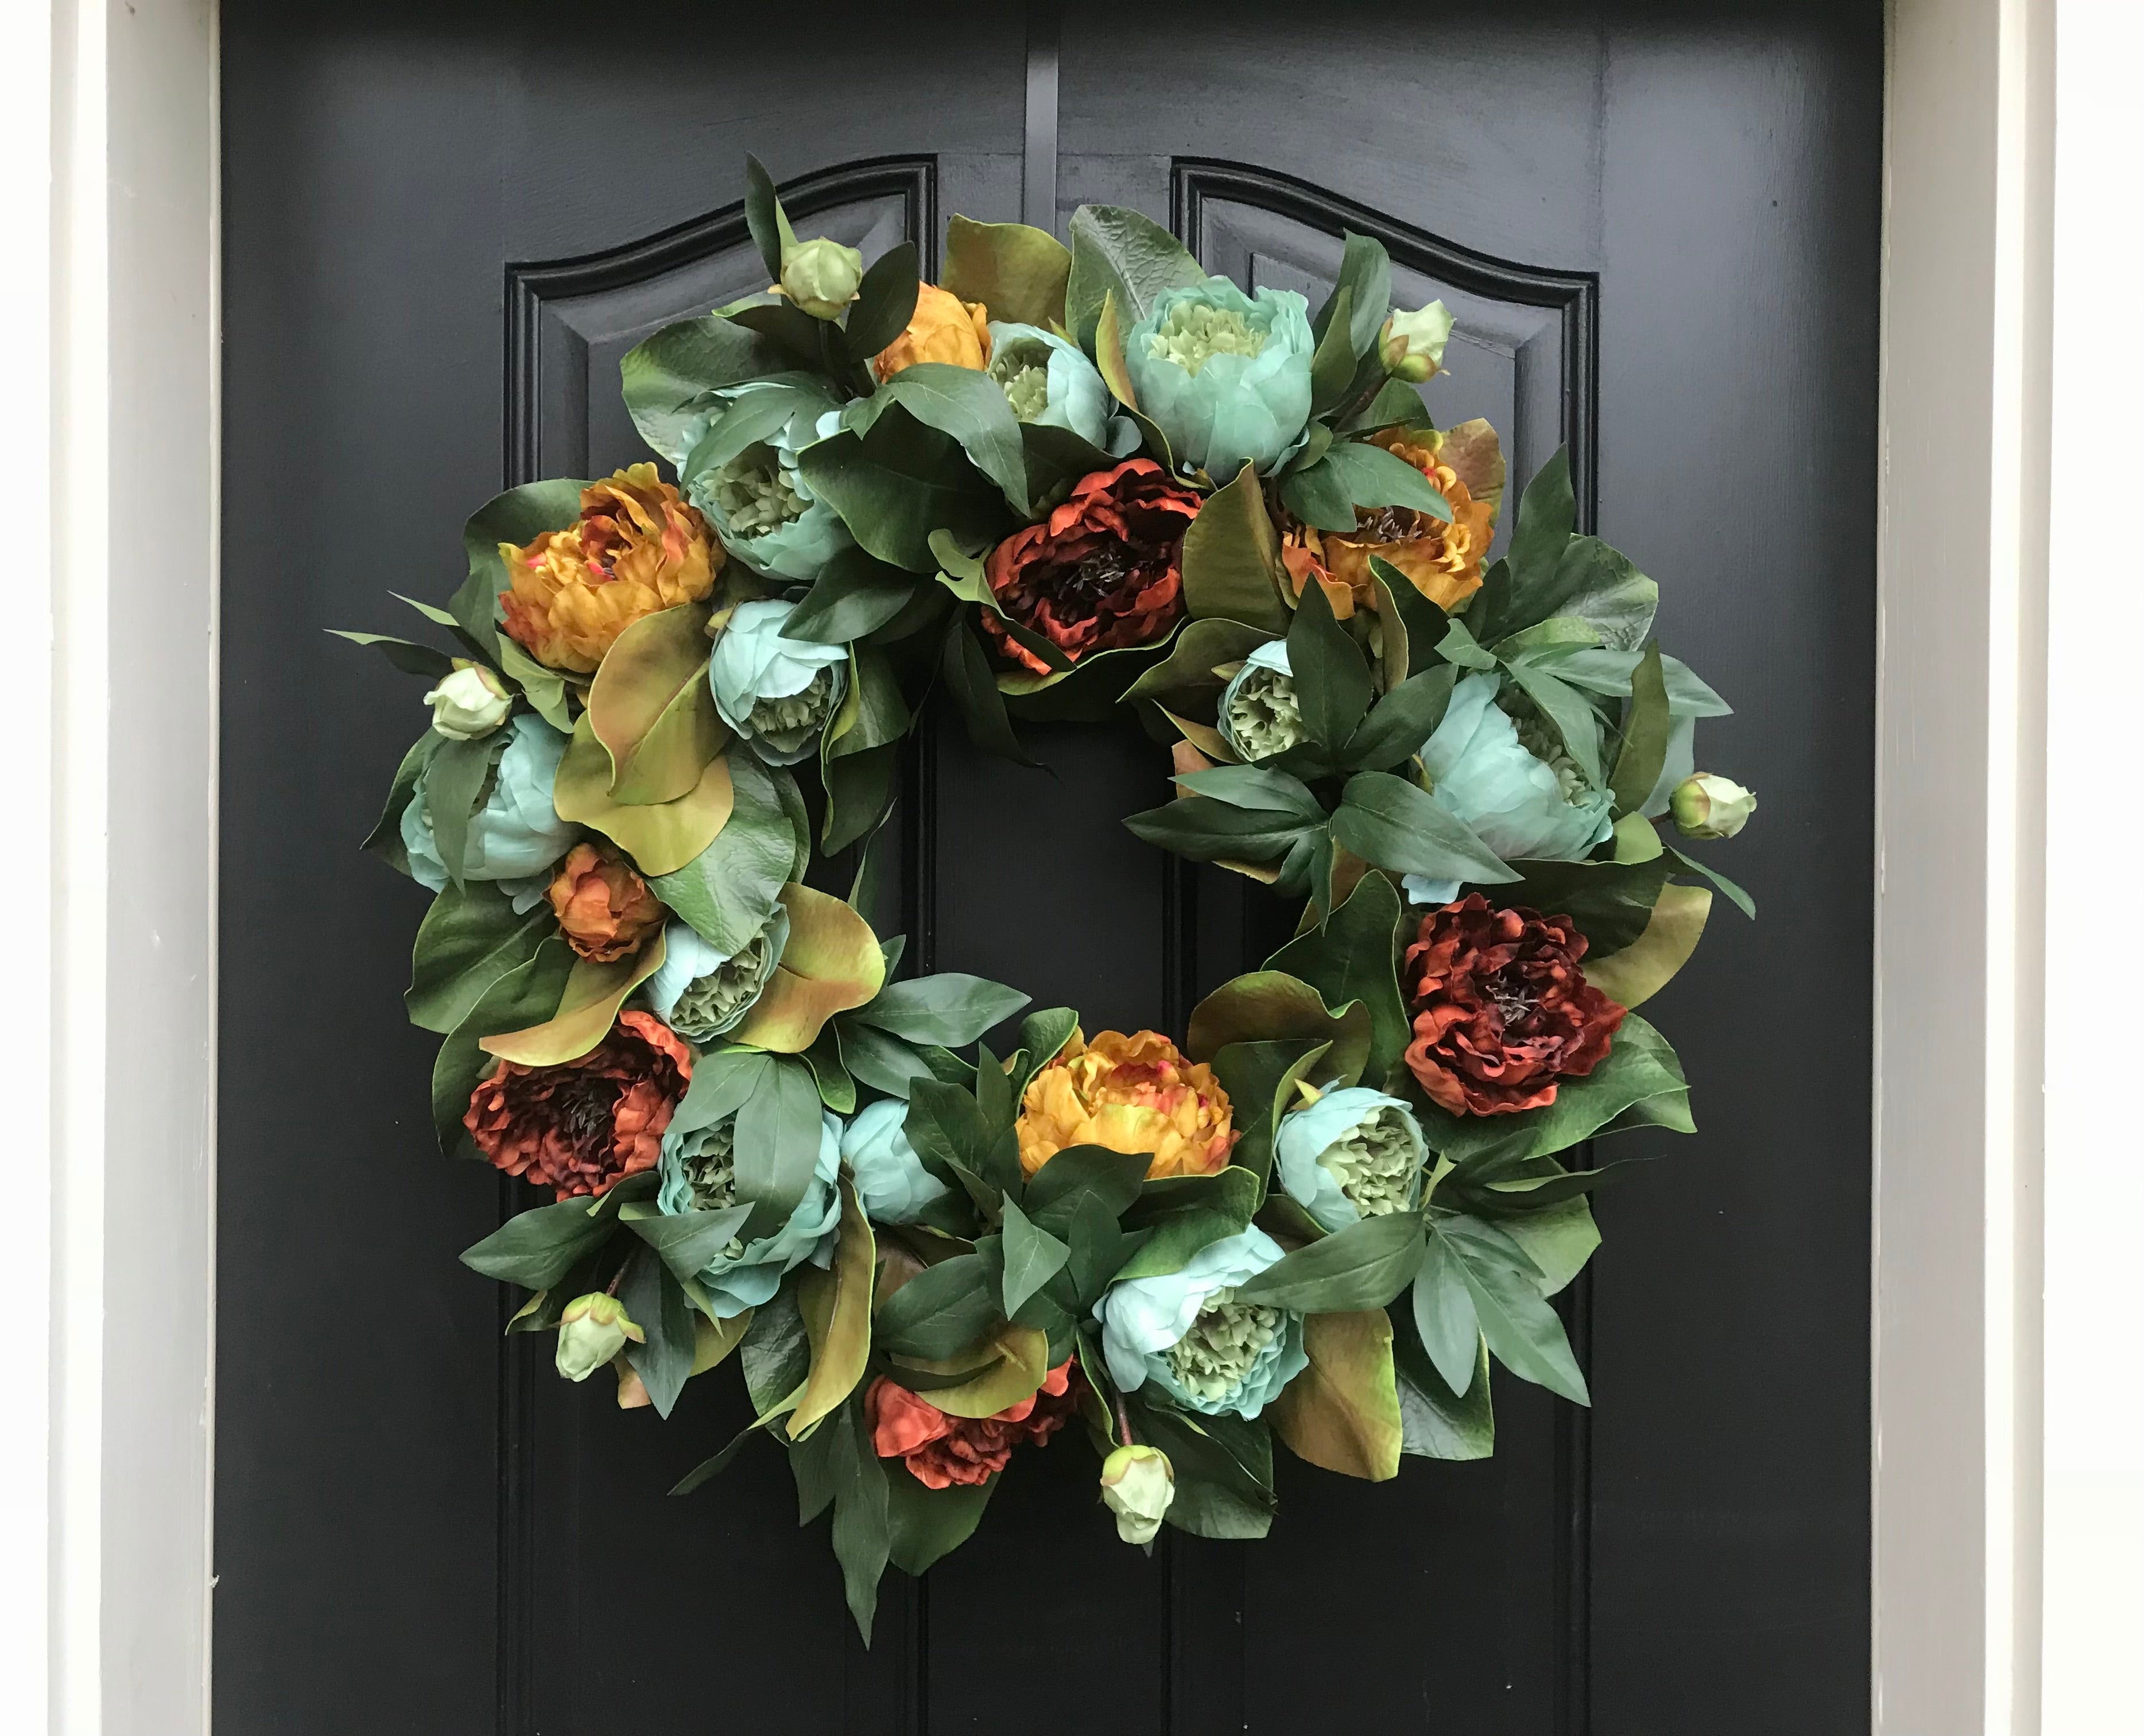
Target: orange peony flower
(941, 1451)
(943, 328)
(1129, 1094)
(1444, 561)
(604, 906)
(636, 548)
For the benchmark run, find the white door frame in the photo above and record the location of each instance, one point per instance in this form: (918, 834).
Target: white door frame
(106, 1473)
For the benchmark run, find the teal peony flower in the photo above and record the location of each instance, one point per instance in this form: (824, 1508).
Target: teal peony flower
(1354, 1153)
(699, 1174)
(758, 501)
(1225, 375)
(1050, 381)
(776, 693)
(1510, 781)
(1188, 1334)
(516, 836)
(892, 1185)
(701, 994)
(1257, 713)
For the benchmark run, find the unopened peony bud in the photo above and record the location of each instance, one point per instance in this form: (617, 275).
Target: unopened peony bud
(1709, 806)
(469, 703)
(591, 1331)
(1138, 1484)
(820, 277)
(1412, 344)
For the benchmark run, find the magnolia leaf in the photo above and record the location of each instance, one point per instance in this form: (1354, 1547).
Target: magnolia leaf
(831, 964)
(1022, 1364)
(1110, 352)
(900, 481)
(712, 1339)
(470, 938)
(1231, 562)
(652, 710)
(1646, 722)
(1342, 1411)
(1190, 675)
(1352, 957)
(929, 1524)
(661, 837)
(836, 1306)
(1270, 1006)
(1114, 249)
(587, 1009)
(1437, 1422)
(1017, 272)
(669, 380)
(1641, 969)
(965, 403)
(728, 891)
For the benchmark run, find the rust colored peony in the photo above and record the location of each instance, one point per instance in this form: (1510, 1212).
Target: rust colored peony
(1101, 572)
(1131, 1094)
(604, 906)
(636, 548)
(941, 1451)
(585, 1125)
(1500, 1009)
(1444, 561)
(942, 329)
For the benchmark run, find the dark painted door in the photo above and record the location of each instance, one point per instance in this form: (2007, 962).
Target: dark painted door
(444, 224)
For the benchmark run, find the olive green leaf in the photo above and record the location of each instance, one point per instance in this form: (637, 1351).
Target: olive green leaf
(1231, 560)
(964, 402)
(1645, 726)
(470, 938)
(836, 1306)
(901, 480)
(1272, 1005)
(661, 837)
(728, 890)
(831, 964)
(1343, 1410)
(1437, 1422)
(1017, 272)
(652, 710)
(588, 1008)
(1641, 969)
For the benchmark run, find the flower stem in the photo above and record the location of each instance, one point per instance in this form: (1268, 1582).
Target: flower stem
(1123, 1422)
(617, 1278)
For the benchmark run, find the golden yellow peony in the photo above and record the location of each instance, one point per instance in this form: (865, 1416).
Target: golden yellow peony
(1129, 1094)
(1444, 561)
(636, 548)
(943, 328)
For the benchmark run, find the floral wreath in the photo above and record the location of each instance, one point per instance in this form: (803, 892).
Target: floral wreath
(1056, 481)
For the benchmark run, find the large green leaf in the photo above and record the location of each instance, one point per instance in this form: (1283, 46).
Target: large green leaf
(1392, 824)
(1640, 971)
(728, 891)
(1271, 1006)
(1017, 272)
(1611, 903)
(1231, 558)
(384, 840)
(863, 1534)
(656, 1303)
(1363, 1266)
(778, 1131)
(652, 710)
(453, 790)
(1342, 1411)
(929, 1524)
(588, 1008)
(1645, 726)
(1260, 1078)
(1119, 251)
(1207, 830)
(1032, 1257)
(1331, 681)
(950, 1008)
(836, 1306)
(964, 402)
(470, 938)
(1352, 957)
(1437, 1423)
(855, 593)
(406, 655)
(941, 1311)
(537, 1248)
(1183, 1214)
(661, 837)
(1079, 1173)
(1217, 1495)
(899, 481)
(669, 380)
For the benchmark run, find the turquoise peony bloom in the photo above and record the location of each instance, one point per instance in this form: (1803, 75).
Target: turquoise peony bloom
(1188, 1334)
(1523, 806)
(699, 1174)
(699, 992)
(776, 693)
(1257, 713)
(1050, 382)
(892, 1185)
(1354, 1153)
(1225, 375)
(756, 499)
(517, 836)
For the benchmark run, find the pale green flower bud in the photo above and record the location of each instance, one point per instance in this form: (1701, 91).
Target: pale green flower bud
(1138, 1484)
(820, 277)
(1709, 806)
(469, 703)
(1412, 344)
(1259, 712)
(593, 1329)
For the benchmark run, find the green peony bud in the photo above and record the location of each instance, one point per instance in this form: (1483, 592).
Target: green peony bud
(1412, 344)
(1709, 806)
(1138, 1484)
(591, 1331)
(469, 703)
(820, 277)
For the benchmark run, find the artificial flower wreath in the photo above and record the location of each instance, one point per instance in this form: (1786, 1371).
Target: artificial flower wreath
(1058, 481)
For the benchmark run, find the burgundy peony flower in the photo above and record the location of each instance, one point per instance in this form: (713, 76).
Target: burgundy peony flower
(584, 1125)
(1101, 572)
(939, 1449)
(1501, 1011)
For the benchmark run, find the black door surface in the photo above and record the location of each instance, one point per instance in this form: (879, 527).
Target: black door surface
(1657, 224)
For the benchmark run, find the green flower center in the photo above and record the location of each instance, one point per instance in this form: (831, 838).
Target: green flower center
(712, 1176)
(786, 721)
(1264, 715)
(709, 1002)
(1211, 1360)
(1544, 745)
(1195, 333)
(756, 494)
(1021, 370)
(1374, 1164)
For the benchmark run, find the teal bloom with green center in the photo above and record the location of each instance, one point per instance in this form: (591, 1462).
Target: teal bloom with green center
(1225, 375)
(756, 499)
(1259, 712)
(700, 993)
(1354, 1153)
(699, 1174)
(1186, 1333)
(1050, 383)
(515, 836)
(777, 693)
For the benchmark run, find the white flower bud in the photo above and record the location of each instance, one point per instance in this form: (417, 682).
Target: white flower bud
(1412, 344)
(593, 1329)
(1710, 806)
(1138, 1484)
(469, 703)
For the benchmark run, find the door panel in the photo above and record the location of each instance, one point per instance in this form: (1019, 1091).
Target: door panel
(1658, 233)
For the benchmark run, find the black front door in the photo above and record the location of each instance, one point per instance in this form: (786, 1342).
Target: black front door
(1657, 227)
